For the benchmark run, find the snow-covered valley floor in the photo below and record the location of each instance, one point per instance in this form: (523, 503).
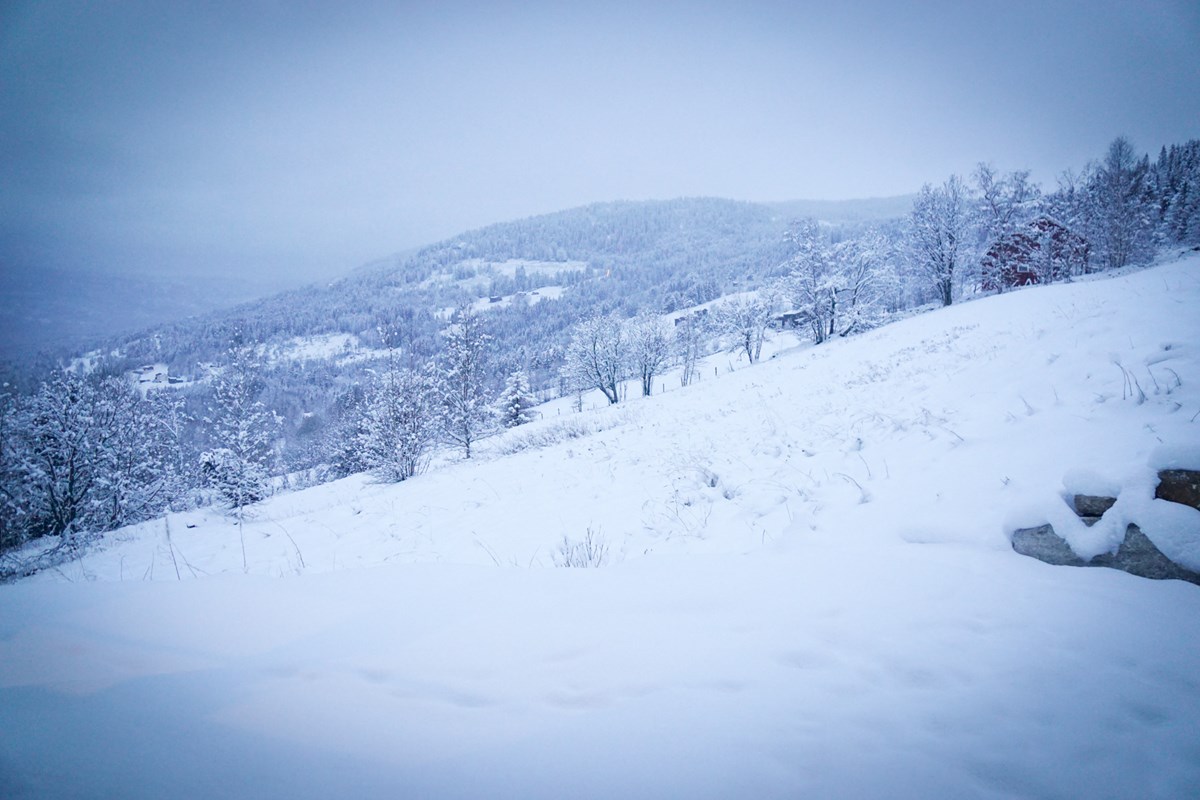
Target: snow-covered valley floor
(809, 592)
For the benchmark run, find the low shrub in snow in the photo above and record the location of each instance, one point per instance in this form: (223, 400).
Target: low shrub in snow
(591, 551)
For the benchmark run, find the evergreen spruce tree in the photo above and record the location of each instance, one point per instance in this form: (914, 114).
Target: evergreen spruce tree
(342, 446)
(242, 430)
(515, 405)
(465, 406)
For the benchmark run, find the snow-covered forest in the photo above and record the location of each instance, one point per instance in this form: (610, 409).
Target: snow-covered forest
(429, 354)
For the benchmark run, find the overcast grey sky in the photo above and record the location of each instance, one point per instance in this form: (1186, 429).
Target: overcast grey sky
(306, 138)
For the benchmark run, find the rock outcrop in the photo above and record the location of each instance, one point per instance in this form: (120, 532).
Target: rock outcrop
(1136, 555)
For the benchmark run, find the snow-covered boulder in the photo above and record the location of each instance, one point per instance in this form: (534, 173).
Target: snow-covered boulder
(1136, 554)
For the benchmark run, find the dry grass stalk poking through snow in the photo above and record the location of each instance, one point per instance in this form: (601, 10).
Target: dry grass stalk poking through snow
(544, 436)
(592, 551)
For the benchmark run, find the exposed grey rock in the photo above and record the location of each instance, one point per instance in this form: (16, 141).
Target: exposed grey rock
(1179, 486)
(1044, 544)
(1137, 555)
(1090, 505)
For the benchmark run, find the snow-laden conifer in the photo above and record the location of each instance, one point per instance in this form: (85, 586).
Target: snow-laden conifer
(242, 431)
(465, 408)
(515, 405)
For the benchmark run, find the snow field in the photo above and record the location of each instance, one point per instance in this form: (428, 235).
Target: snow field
(895, 671)
(810, 593)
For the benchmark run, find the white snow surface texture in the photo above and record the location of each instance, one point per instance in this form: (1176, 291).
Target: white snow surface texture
(809, 592)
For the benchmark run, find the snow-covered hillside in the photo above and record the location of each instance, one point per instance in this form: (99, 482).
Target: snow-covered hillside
(808, 591)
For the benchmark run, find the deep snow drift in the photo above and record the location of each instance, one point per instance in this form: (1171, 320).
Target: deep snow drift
(809, 592)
